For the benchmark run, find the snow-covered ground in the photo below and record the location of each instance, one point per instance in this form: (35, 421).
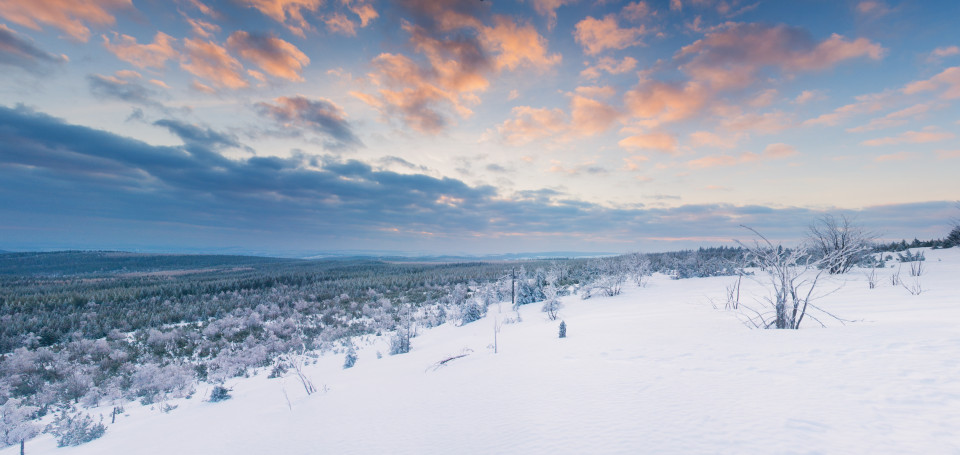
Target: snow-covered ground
(660, 369)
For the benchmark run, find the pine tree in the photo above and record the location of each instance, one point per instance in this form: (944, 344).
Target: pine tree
(563, 329)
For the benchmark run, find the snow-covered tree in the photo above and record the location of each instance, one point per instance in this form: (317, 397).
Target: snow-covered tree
(16, 424)
(839, 244)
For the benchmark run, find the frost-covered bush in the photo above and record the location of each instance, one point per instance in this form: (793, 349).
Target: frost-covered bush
(219, 393)
(152, 382)
(471, 311)
(75, 429)
(350, 359)
(563, 329)
(551, 307)
(400, 342)
(16, 425)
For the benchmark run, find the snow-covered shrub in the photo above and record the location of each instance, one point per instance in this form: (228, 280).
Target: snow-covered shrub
(219, 393)
(838, 244)
(75, 429)
(152, 382)
(16, 425)
(350, 359)
(400, 342)
(471, 311)
(563, 329)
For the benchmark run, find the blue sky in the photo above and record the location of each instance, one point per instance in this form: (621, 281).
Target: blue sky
(289, 126)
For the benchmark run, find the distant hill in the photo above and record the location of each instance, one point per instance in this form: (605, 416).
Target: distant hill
(100, 262)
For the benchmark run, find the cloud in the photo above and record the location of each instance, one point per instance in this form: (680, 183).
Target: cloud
(338, 23)
(898, 156)
(287, 12)
(767, 122)
(212, 62)
(153, 55)
(943, 52)
(868, 103)
(110, 190)
(320, 115)
(70, 16)
(20, 52)
(365, 12)
(872, 8)
(775, 151)
(898, 118)
(273, 55)
(124, 89)
(636, 11)
(609, 65)
(733, 56)
(597, 35)
(676, 5)
(948, 79)
(807, 96)
(529, 124)
(661, 142)
(911, 137)
(202, 28)
(548, 9)
(661, 102)
(462, 54)
(713, 140)
(589, 116)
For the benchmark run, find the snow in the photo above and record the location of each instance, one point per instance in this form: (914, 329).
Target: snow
(659, 369)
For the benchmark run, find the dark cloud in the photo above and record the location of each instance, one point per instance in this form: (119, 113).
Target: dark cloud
(112, 87)
(388, 160)
(22, 53)
(321, 116)
(69, 183)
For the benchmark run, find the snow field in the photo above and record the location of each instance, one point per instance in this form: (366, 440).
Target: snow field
(660, 369)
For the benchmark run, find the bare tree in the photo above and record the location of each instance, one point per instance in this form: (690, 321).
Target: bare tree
(792, 276)
(839, 243)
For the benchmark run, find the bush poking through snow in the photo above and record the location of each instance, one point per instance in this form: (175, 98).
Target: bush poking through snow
(75, 429)
(219, 393)
(16, 425)
(400, 343)
(563, 329)
(552, 308)
(839, 244)
(350, 359)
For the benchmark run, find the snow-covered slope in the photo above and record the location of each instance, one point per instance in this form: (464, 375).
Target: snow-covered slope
(660, 369)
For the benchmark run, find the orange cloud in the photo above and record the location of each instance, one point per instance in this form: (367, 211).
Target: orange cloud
(911, 137)
(70, 16)
(589, 116)
(212, 62)
(732, 57)
(948, 79)
(636, 11)
(548, 8)
(899, 156)
(708, 139)
(897, 118)
(517, 45)
(660, 102)
(202, 28)
(288, 12)
(662, 142)
(806, 96)
(153, 55)
(609, 65)
(365, 12)
(767, 123)
(340, 24)
(529, 124)
(597, 35)
(273, 55)
(458, 67)
(771, 152)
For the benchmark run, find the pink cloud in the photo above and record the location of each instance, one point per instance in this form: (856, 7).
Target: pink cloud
(70, 16)
(153, 55)
(662, 142)
(365, 12)
(517, 45)
(713, 140)
(865, 104)
(948, 79)
(589, 116)
(548, 9)
(288, 12)
(897, 118)
(273, 55)
(529, 124)
(597, 35)
(212, 62)
(338, 23)
(202, 28)
(807, 96)
(911, 137)
(899, 156)
(636, 11)
(948, 154)
(771, 152)
(661, 102)
(734, 55)
(609, 65)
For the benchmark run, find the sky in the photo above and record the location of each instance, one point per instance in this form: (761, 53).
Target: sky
(471, 127)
